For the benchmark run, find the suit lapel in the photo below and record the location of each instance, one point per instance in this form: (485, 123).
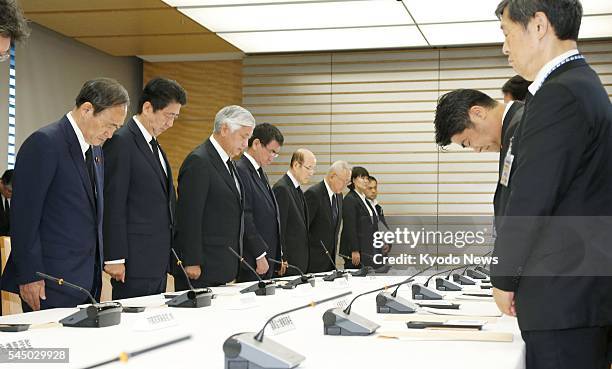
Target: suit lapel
(259, 181)
(146, 151)
(77, 157)
(222, 169)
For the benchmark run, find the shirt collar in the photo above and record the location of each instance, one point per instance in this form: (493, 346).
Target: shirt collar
(252, 160)
(224, 156)
(330, 193)
(373, 202)
(547, 69)
(84, 145)
(506, 109)
(143, 130)
(296, 184)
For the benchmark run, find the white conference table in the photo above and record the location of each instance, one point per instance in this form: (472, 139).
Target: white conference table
(232, 313)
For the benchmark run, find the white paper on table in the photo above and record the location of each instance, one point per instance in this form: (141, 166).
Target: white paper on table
(484, 309)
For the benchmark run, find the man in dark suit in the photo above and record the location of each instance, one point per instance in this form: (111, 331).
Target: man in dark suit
(293, 209)
(6, 191)
(57, 202)
(210, 206)
(139, 196)
(471, 118)
(261, 217)
(560, 180)
(372, 195)
(324, 203)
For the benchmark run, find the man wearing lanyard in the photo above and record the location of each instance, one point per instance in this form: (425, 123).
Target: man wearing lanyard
(559, 175)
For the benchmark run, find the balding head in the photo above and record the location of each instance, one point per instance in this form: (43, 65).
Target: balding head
(303, 165)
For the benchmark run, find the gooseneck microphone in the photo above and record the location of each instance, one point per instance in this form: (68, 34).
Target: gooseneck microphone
(262, 288)
(96, 315)
(195, 297)
(336, 273)
(295, 282)
(251, 350)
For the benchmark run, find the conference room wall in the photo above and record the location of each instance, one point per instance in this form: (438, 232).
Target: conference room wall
(50, 70)
(376, 109)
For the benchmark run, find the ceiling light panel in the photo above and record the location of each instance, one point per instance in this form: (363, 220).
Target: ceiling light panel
(444, 11)
(300, 16)
(328, 39)
(178, 3)
(463, 33)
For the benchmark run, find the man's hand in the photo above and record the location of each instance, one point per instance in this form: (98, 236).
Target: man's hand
(355, 258)
(32, 293)
(193, 271)
(283, 268)
(504, 301)
(385, 249)
(262, 266)
(116, 271)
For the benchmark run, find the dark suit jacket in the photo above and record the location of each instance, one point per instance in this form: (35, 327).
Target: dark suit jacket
(562, 171)
(357, 230)
(261, 219)
(53, 209)
(321, 227)
(511, 121)
(294, 225)
(139, 202)
(381, 216)
(209, 217)
(5, 219)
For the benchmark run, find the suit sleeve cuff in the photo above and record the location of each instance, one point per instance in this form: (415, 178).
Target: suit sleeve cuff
(261, 256)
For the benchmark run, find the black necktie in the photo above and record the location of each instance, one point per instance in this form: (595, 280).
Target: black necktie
(334, 209)
(90, 169)
(302, 200)
(155, 146)
(263, 177)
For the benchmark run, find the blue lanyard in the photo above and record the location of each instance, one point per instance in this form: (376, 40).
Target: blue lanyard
(566, 60)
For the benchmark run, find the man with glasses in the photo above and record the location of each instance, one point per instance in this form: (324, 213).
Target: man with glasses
(139, 196)
(13, 27)
(293, 210)
(261, 217)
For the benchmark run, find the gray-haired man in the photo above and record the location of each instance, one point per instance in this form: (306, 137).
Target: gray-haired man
(210, 207)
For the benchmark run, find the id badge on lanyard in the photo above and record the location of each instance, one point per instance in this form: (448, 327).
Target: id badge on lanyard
(505, 176)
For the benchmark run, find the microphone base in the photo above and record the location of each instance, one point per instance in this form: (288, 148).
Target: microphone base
(443, 284)
(95, 316)
(261, 288)
(483, 270)
(386, 303)
(364, 271)
(420, 292)
(486, 287)
(476, 274)
(335, 275)
(298, 281)
(382, 269)
(463, 280)
(244, 351)
(197, 298)
(337, 323)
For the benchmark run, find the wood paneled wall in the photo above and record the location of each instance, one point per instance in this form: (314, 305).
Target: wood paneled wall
(210, 85)
(376, 109)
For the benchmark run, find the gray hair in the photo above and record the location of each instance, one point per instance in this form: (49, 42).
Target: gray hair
(338, 167)
(235, 117)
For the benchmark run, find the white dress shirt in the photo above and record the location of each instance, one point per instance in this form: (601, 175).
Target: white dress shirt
(547, 69)
(84, 145)
(224, 157)
(363, 198)
(330, 193)
(295, 182)
(148, 137)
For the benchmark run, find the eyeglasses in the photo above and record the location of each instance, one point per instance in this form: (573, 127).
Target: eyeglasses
(172, 116)
(5, 55)
(272, 152)
(312, 168)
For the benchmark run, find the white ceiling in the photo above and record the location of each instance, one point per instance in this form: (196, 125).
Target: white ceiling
(262, 26)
